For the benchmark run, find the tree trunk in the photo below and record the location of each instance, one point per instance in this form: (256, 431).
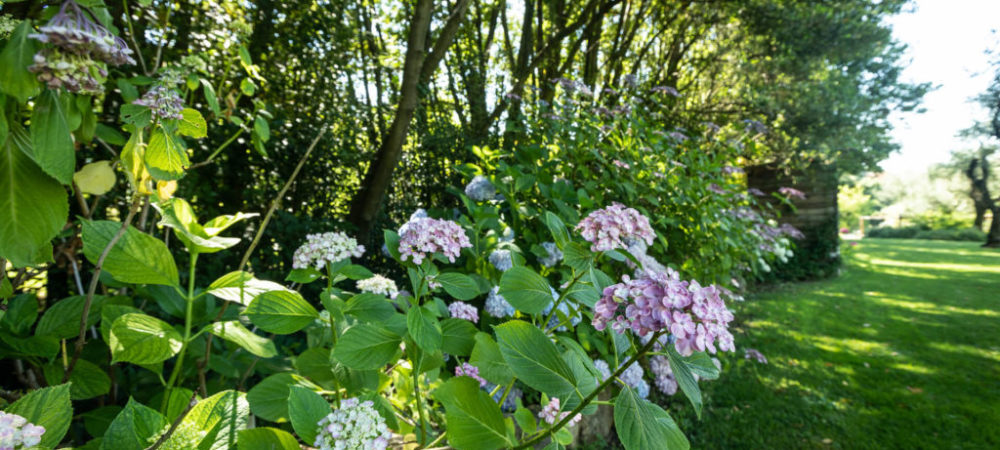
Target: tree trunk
(993, 236)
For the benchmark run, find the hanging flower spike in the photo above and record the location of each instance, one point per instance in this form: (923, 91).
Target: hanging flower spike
(425, 236)
(355, 425)
(321, 249)
(73, 32)
(610, 228)
(164, 101)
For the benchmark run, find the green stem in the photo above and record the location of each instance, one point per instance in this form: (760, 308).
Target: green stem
(219, 149)
(510, 387)
(559, 300)
(420, 406)
(586, 401)
(187, 331)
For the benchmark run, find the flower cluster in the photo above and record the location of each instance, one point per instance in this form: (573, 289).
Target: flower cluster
(550, 413)
(468, 370)
(613, 227)
(424, 236)
(632, 377)
(696, 316)
(497, 306)
(163, 101)
(7, 25)
(663, 375)
(553, 254)
(76, 73)
(752, 353)
(379, 285)
(792, 193)
(501, 259)
(355, 425)
(480, 189)
(16, 432)
(462, 310)
(324, 248)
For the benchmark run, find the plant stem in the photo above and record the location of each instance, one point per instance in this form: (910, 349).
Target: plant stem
(510, 387)
(420, 407)
(218, 149)
(559, 300)
(586, 401)
(82, 338)
(187, 329)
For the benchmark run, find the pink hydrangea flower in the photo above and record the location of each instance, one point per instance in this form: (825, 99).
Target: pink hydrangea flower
(550, 413)
(615, 227)
(792, 193)
(468, 370)
(462, 310)
(425, 236)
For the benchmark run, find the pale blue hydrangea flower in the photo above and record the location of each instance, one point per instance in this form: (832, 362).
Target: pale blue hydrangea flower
(497, 306)
(480, 189)
(554, 254)
(501, 259)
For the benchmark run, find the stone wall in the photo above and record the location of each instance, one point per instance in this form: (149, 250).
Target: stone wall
(816, 255)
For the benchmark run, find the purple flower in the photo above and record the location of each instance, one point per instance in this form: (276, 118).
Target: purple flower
(73, 32)
(165, 102)
(716, 189)
(752, 353)
(425, 236)
(792, 193)
(663, 375)
(613, 227)
(623, 165)
(462, 310)
(550, 413)
(468, 370)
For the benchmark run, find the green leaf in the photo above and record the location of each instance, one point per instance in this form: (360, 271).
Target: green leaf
(136, 258)
(525, 290)
(48, 407)
(214, 421)
(701, 364)
(128, 90)
(33, 206)
(21, 314)
(241, 287)
(474, 420)
(458, 336)
(15, 58)
(370, 307)
(355, 272)
(87, 380)
(487, 357)
(424, 328)
(314, 364)
(139, 115)
(458, 285)
(642, 425)
(526, 420)
(142, 339)
(366, 347)
(210, 97)
(303, 276)
(44, 346)
(557, 228)
(262, 129)
(247, 87)
(134, 428)
(97, 421)
(269, 398)
(685, 379)
(166, 159)
(305, 409)
(62, 319)
(577, 257)
(266, 438)
(110, 135)
(52, 143)
(534, 359)
(280, 312)
(234, 331)
(192, 124)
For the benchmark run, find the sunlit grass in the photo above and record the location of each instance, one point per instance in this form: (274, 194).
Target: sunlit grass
(901, 351)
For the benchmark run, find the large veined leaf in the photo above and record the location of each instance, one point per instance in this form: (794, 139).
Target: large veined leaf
(534, 359)
(87, 380)
(424, 328)
(685, 378)
(48, 407)
(241, 287)
(280, 312)
(305, 409)
(269, 398)
(314, 364)
(192, 124)
(20, 314)
(136, 258)
(51, 141)
(525, 290)
(370, 307)
(557, 228)
(62, 319)
(642, 425)
(234, 331)
(166, 158)
(487, 357)
(14, 61)
(216, 420)
(33, 206)
(459, 336)
(366, 347)
(266, 438)
(474, 420)
(458, 285)
(134, 427)
(142, 339)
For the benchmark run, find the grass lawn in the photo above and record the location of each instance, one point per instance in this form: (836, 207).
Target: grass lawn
(901, 351)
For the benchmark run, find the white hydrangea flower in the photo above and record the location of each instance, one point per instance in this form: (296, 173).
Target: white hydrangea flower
(17, 433)
(324, 248)
(355, 425)
(379, 285)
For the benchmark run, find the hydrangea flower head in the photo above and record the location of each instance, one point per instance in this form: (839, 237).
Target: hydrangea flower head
(551, 414)
(663, 375)
(379, 285)
(480, 189)
(501, 259)
(16, 432)
(497, 306)
(468, 370)
(355, 425)
(324, 248)
(426, 236)
(553, 254)
(792, 193)
(612, 227)
(462, 310)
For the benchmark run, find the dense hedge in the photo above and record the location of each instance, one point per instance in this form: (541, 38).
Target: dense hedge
(922, 232)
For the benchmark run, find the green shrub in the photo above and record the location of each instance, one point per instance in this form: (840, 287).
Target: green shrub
(922, 232)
